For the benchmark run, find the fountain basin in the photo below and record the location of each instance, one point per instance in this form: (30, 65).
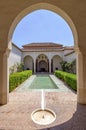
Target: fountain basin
(43, 117)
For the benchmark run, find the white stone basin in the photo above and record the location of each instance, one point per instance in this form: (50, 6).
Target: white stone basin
(43, 117)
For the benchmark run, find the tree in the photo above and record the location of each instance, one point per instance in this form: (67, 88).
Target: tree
(20, 67)
(69, 66)
(63, 65)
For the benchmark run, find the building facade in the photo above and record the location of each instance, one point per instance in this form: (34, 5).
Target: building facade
(41, 57)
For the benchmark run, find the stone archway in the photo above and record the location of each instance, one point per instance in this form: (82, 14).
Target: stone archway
(43, 66)
(55, 63)
(67, 14)
(28, 63)
(47, 6)
(42, 63)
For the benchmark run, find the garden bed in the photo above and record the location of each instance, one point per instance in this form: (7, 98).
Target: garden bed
(68, 78)
(17, 78)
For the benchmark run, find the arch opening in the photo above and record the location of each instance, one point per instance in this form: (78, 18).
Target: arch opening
(55, 63)
(42, 63)
(52, 8)
(28, 63)
(48, 7)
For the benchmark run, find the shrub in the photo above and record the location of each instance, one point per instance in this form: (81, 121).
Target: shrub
(71, 81)
(64, 65)
(17, 67)
(20, 67)
(68, 78)
(69, 67)
(12, 69)
(17, 78)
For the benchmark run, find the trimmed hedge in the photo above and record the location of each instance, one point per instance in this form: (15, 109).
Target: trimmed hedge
(68, 78)
(17, 78)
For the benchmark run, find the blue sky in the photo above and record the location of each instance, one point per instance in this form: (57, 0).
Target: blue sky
(42, 26)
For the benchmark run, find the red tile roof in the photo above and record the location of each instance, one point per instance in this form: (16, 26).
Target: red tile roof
(43, 44)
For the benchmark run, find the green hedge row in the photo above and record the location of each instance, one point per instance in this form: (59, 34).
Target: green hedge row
(68, 78)
(17, 78)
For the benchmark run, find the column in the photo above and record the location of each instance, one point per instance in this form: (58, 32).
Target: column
(4, 78)
(49, 65)
(34, 65)
(37, 65)
(81, 77)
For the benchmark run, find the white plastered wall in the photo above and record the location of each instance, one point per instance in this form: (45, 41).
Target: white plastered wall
(28, 63)
(15, 56)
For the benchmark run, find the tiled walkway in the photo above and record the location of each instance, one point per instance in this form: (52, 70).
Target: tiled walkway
(16, 115)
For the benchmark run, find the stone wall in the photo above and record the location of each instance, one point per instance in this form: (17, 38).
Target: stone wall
(70, 57)
(15, 56)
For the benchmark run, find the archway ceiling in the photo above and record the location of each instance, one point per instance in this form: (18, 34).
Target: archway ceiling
(76, 10)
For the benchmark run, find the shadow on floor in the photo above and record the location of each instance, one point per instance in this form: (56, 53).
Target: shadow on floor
(77, 122)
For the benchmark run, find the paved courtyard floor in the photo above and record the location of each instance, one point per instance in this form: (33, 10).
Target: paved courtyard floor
(16, 115)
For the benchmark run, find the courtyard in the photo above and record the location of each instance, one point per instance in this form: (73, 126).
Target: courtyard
(16, 115)
(16, 107)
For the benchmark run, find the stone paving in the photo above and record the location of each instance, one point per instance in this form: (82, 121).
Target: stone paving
(16, 115)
